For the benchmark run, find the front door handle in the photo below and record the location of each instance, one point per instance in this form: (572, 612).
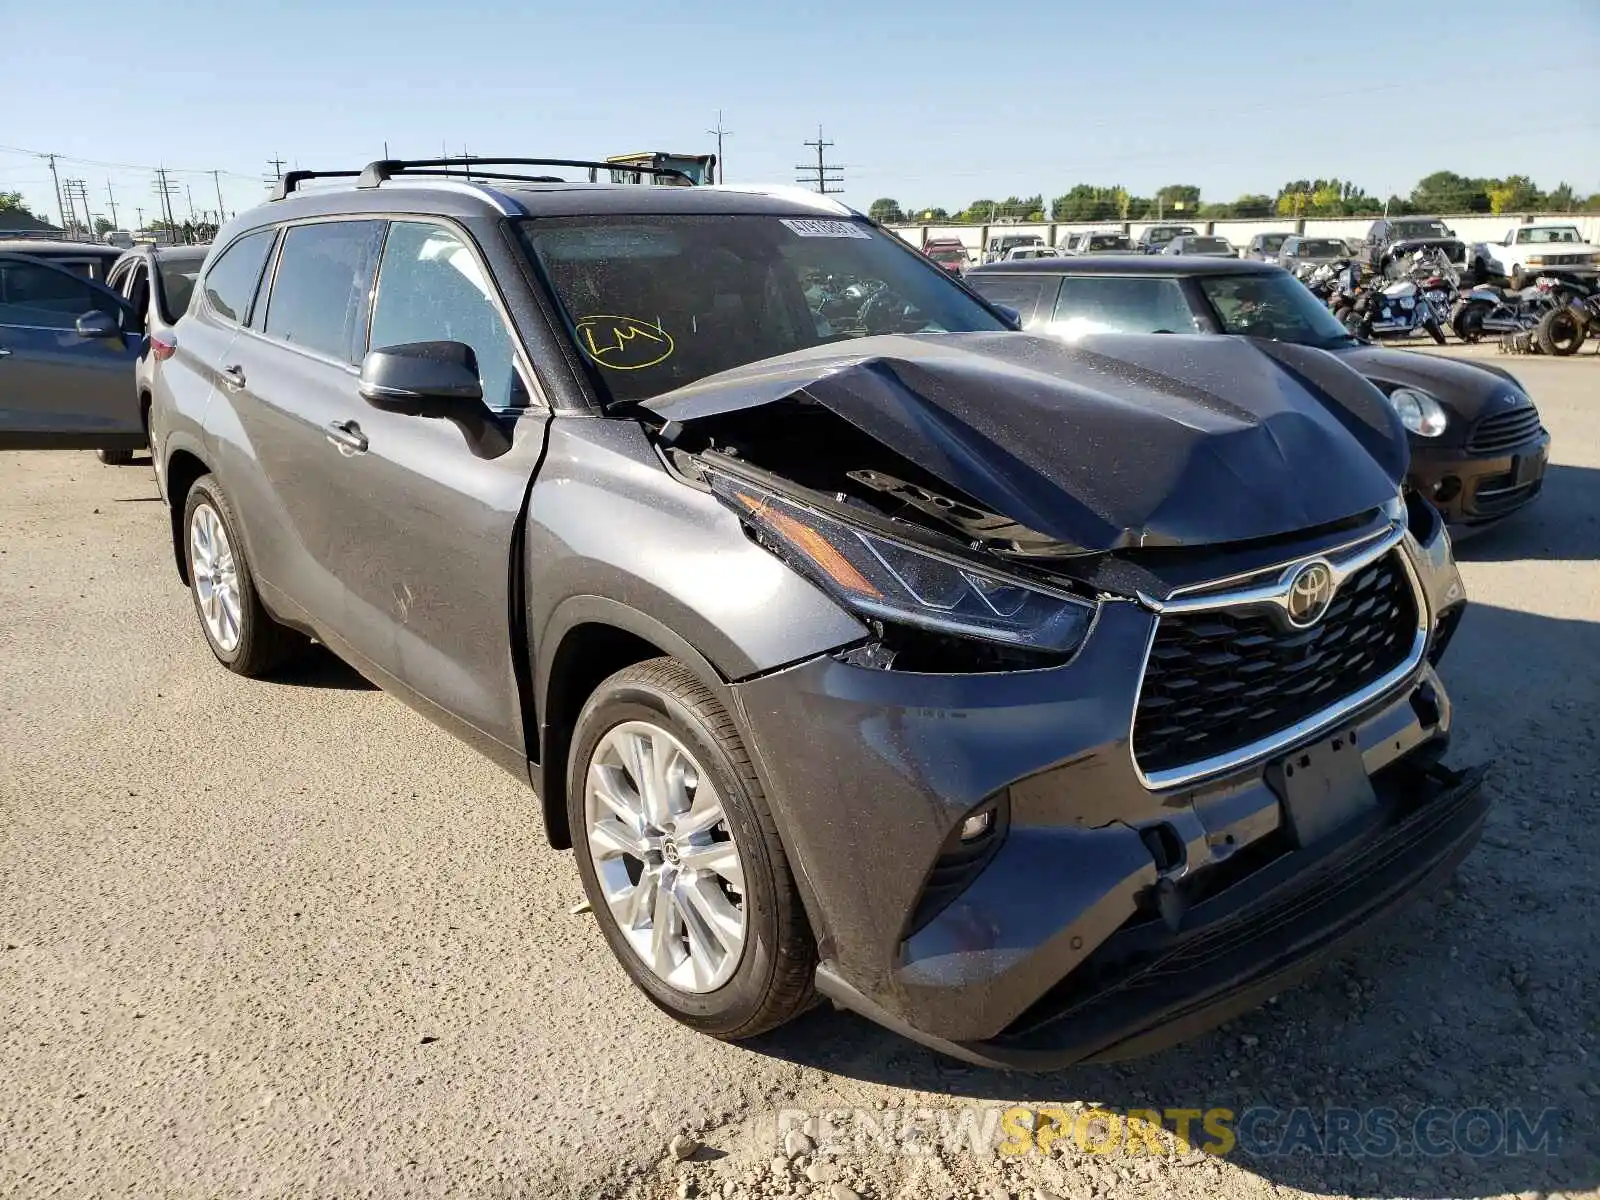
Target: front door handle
(233, 378)
(4, 353)
(346, 437)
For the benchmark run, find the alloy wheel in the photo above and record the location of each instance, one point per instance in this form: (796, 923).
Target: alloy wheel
(664, 856)
(215, 577)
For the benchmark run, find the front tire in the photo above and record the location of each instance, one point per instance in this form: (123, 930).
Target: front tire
(1518, 279)
(680, 858)
(1560, 334)
(241, 633)
(1435, 331)
(115, 458)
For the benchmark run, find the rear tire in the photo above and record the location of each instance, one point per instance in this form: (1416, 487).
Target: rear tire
(241, 633)
(115, 458)
(693, 747)
(1560, 333)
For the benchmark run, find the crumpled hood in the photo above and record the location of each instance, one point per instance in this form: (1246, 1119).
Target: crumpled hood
(1468, 390)
(1114, 441)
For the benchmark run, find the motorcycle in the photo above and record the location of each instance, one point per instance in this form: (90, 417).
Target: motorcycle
(1489, 310)
(1564, 329)
(1322, 279)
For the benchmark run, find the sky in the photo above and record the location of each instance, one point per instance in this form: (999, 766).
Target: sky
(934, 104)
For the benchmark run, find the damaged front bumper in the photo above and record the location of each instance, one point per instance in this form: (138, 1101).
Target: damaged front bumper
(989, 871)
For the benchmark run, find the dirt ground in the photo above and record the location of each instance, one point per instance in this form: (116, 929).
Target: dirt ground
(286, 939)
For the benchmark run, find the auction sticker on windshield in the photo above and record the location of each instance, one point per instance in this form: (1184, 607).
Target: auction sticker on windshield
(624, 343)
(825, 229)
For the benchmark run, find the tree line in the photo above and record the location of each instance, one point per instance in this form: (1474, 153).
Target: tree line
(1440, 192)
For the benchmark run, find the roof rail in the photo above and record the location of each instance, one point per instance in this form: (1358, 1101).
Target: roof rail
(292, 180)
(387, 168)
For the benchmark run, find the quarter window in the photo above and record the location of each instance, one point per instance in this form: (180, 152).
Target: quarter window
(431, 289)
(320, 289)
(231, 282)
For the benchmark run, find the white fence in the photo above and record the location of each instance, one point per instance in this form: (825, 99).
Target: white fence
(1469, 228)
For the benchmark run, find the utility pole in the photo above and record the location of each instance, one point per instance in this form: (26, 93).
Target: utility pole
(719, 133)
(824, 174)
(165, 189)
(216, 178)
(77, 190)
(61, 213)
(111, 199)
(189, 193)
(276, 177)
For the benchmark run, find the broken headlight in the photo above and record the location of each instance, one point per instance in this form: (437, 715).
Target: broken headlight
(895, 581)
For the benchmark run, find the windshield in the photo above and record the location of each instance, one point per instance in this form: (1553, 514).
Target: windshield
(1108, 241)
(947, 255)
(1553, 234)
(1207, 245)
(1420, 229)
(657, 302)
(1273, 305)
(1274, 241)
(1321, 248)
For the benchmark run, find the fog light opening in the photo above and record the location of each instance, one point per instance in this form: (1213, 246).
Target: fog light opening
(978, 824)
(1447, 489)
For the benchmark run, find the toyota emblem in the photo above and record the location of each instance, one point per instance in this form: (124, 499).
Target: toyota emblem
(1310, 593)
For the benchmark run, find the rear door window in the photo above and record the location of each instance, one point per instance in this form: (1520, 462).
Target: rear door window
(1030, 295)
(1121, 304)
(230, 284)
(320, 288)
(431, 288)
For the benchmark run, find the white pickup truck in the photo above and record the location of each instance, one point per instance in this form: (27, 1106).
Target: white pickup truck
(1528, 251)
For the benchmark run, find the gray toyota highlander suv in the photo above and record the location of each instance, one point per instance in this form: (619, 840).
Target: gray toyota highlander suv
(1041, 702)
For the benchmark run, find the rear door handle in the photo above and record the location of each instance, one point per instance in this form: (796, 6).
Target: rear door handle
(233, 378)
(346, 437)
(4, 353)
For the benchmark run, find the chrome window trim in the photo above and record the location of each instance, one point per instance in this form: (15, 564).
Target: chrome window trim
(1276, 594)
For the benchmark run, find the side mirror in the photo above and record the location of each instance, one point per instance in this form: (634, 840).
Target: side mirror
(423, 379)
(98, 324)
(1010, 314)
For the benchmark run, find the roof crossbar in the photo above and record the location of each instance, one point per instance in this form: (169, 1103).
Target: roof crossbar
(382, 169)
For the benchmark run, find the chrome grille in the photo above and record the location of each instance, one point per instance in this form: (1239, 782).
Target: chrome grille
(1504, 430)
(1219, 680)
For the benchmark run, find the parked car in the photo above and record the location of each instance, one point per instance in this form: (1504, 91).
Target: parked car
(1155, 237)
(1300, 255)
(867, 648)
(158, 283)
(1206, 247)
(87, 259)
(1099, 242)
(1390, 240)
(953, 258)
(1264, 247)
(1002, 244)
(1478, 447)
(1532, 250)
(68, 346)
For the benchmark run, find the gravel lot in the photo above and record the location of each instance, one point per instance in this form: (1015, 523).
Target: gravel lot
(286, 939)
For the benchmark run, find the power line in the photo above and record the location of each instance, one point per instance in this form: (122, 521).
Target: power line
(825, 174)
